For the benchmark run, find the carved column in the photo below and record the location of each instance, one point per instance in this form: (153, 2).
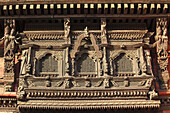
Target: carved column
(68, 42)
(104, 43)
(161, 48)
(142, 61)
(9, 54)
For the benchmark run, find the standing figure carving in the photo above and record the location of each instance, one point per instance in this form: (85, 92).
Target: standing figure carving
(162, 54)
(103, 31)
(9, 39)
(24, 62)
(67, 30)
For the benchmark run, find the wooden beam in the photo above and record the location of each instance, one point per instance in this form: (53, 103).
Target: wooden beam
(139, 8)
(52, 9)
(11, 10)
(116, 16)
(165, 8)
(45, 9)
(72, 8)
(78, 8)
(99, 8)
(17, 9)
(31, 8)
(125, 8)
(5, 2)
(85, 8)
(65, 7)
(106, 8)
(158, 8)
(38, 9)
(112, 9)
(58, 8)
(91, 8)
(5, 9)
(119, 8)
(132, 8)
(152, 9)
(25, 11)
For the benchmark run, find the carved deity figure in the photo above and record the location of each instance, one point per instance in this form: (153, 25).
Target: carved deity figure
(24, 62)
(103, 30)
(67, 28)
(9, 39)
(161, 44)
(86, 31)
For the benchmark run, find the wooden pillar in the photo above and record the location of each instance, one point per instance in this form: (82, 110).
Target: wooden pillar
(9, 54)
(161, 48)
(68, 42)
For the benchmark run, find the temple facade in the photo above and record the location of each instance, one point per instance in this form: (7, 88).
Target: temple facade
(84, 56)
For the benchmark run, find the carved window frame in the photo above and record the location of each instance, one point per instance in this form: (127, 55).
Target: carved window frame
(131, 55)
(91, 55)
(42, 54)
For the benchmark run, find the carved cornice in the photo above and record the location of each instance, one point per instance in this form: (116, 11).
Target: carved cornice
(89, 104)
(44, 35)
(116, 94)
(127, 34)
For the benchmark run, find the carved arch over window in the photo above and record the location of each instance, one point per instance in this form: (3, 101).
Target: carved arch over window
(78, 44)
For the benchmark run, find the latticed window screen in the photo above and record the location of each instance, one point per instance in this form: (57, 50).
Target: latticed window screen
(48, 64)
(86, 64)
(123, 64)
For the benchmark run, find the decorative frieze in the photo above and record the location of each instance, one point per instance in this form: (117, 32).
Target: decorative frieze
(85, 94)
(43, 35)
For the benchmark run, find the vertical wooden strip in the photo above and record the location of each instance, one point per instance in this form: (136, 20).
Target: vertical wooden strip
(132, 7)
(125, 8)
(112, 9)
(52, 9)
(45, 9)
(119, 9)
(152, 9)
(99, 8)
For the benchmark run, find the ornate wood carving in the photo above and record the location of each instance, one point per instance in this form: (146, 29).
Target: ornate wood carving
(86, 40)
(162, 54)
(25, 62)
(103, 31)
(130, 56)
(78, 43)
(67, 30)
(9, 41)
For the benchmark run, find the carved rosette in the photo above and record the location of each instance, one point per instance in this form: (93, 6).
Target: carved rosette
(161, 48)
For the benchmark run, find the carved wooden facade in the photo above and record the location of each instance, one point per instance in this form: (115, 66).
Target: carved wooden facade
(85, 57)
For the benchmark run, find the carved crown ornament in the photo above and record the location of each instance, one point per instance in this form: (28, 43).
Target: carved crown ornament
(86, 35)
